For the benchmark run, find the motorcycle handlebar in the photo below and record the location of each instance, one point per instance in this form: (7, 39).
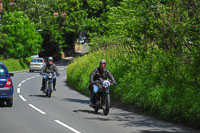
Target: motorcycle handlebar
(101, 82)
(57, 74)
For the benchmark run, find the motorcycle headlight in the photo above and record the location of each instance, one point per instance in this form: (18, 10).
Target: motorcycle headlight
(50, 75)
(106, 84)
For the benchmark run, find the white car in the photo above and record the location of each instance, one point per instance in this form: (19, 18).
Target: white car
(36, 64)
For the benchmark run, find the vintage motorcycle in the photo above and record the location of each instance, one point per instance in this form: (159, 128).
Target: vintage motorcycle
(102, 98)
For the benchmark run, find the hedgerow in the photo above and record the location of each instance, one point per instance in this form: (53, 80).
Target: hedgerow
(159, 83)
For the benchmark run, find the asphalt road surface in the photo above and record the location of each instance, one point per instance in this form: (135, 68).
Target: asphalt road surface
(67, 111)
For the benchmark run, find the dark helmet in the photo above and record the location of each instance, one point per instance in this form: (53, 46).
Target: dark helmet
(50, 59)
(103, 61)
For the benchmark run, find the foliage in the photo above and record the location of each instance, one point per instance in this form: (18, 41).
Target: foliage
(2, 36)
(20, 37)
(167, 24)
(160, 83)
(161, 37)
(17, 64)
(53, 37)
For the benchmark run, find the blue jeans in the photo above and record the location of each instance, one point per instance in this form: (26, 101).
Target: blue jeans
(95, 89)
(45, 78)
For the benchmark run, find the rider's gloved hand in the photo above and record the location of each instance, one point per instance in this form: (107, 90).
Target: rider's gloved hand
(57, 74)
(114, 82)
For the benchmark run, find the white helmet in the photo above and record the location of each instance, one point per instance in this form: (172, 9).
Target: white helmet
(102, 62)
(50, 59)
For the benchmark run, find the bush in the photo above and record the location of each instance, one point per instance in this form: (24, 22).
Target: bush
(158, 82)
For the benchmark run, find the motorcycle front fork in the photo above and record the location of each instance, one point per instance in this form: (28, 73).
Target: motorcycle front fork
(100, 101)
(49, 83)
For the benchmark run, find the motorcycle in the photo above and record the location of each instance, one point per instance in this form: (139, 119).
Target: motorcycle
(102, 98)
(49, 84)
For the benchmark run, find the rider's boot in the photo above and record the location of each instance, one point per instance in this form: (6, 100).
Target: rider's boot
(54, 88)
(42, 88)
(54, 84)
(92, 100)
(92, 105)
(43, 85)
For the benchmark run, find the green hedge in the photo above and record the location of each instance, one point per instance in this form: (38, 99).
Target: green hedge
(16, 64)
(160, 82)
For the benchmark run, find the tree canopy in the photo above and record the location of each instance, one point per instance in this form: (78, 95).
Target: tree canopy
(19, 38)
(167, 24)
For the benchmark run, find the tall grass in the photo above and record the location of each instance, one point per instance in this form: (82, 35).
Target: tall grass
(158, 82)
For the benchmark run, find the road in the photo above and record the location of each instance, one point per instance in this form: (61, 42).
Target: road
(67, 111)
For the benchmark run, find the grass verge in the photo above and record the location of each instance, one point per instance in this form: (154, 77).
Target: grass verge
(16, 64)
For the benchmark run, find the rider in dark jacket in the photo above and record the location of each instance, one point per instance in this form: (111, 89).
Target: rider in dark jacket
(98, 74)
(49, 68)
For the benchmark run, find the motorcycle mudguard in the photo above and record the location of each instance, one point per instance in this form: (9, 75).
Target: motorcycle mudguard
(107, 91)
(51, 81)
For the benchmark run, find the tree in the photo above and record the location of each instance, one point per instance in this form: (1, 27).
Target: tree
(53, 37)
(21, 39)
(1, 42)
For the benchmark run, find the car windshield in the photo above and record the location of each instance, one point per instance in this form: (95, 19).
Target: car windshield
(2, 72)
(37, 60)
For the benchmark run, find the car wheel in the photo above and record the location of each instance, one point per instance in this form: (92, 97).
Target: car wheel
(10, 102)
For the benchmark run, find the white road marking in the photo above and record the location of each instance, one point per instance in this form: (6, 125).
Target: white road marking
(18, 90)
(70, 128)
(33, 77)
(22, 98)
(19, 85)
(40, 111)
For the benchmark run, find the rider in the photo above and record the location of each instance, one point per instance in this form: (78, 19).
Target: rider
(49, 68)
(99, 73)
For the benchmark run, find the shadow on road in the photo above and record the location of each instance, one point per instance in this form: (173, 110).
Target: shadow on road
(143, 124)
(100, 118)
(34, 72)
(42, 96)
(131, 119)
(76, 100)
(86, 111)
(155, 132)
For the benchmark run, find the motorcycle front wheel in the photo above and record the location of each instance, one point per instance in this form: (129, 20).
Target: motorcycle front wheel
(106, 107)
(96, 109)
(49, 91)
